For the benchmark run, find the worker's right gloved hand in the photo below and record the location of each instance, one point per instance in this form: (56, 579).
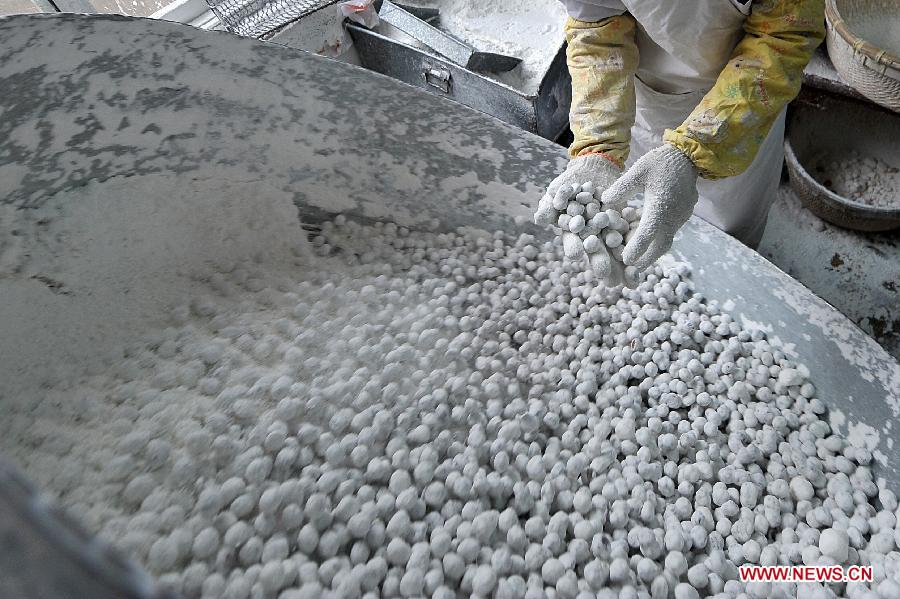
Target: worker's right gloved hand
(600, 172)
(668, 179)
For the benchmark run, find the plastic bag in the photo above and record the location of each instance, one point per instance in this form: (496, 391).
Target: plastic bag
(359, 11)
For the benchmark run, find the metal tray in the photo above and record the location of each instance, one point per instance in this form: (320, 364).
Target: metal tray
(822, 126)
(545, 113)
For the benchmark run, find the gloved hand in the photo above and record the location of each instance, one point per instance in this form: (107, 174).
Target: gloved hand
(599, 173)
(595, 168)
(669, 181)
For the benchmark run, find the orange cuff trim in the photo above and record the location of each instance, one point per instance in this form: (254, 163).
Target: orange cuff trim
(609, 158)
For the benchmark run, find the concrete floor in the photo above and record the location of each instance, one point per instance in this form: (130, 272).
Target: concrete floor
(857, 273)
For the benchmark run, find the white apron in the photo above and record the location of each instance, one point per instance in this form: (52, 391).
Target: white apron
(683, 47)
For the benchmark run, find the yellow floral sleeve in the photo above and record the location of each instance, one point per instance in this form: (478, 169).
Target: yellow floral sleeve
(602, 59)
(723, 134)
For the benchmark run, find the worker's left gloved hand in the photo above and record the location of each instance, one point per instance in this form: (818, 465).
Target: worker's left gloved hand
(668, 179)
(593, 167)
(598, 172)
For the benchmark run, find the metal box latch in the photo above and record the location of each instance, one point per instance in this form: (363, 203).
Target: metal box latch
(437, 76)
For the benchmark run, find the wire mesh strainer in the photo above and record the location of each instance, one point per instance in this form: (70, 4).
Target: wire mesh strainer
(259, 18)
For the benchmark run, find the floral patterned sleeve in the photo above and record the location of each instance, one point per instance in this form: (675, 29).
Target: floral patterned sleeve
(602, 58)
(723, 134)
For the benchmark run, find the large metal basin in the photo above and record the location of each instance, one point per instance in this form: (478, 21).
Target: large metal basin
(96, 99)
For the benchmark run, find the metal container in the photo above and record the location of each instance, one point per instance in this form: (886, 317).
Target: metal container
(829, 126)
(545, 112)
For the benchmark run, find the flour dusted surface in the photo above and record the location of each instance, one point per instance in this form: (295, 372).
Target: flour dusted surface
(94, 267)
(866, 179)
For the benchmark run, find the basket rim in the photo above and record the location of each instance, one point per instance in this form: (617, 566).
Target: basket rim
(833, 15)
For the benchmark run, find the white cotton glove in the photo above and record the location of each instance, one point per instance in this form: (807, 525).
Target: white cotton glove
(668, 179)
(588, 172)
(589, 167)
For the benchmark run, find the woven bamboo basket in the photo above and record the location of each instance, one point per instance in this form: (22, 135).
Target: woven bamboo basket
(871, 66)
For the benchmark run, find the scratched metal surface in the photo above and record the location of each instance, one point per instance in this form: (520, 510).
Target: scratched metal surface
(93, 98)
